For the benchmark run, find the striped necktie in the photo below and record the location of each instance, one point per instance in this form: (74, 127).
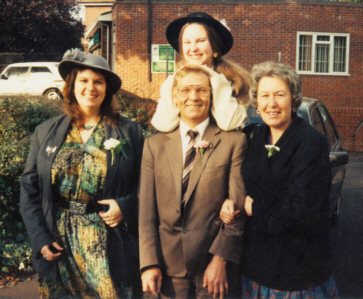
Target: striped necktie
(189, 161)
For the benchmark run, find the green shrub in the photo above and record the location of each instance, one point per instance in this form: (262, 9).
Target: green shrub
(18, 119)
(139, 111)
(17, 258)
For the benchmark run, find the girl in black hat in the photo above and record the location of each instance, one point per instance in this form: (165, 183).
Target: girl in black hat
(78, 190)
(203, 40)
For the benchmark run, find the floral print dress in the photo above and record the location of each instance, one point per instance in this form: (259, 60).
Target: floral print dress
(78, 174)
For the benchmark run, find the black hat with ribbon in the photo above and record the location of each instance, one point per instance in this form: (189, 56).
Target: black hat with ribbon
(75, 58)
(174, 28)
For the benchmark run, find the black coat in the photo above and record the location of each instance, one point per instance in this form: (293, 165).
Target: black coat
(287, 244)
(36, 200)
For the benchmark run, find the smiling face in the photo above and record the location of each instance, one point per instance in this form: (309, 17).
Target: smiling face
(274, 102)
(194, 109)
(196, 45)
(90, 90)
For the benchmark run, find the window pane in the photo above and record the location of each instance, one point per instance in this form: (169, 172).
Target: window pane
(40, 73)
(323, 38)
(317, 121)
(17, 73)
(330, 131)
(339, 53)
(322, 58)
(305, 47)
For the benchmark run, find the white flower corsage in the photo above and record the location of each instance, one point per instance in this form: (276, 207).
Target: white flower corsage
(272, 150)
(50, 150)
(115, 145)
(203, 145)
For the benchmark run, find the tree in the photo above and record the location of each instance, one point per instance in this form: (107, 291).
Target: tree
(39, 26)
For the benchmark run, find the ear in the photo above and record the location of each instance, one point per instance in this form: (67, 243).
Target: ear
(174, 95)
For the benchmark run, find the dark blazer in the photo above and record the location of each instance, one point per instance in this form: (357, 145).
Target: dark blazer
(182, 245)
(287, 238)
(36, 201)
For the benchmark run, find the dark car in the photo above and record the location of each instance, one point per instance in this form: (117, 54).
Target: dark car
(316, 114)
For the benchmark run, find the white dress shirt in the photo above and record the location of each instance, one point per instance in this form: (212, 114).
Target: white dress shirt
(185, 136)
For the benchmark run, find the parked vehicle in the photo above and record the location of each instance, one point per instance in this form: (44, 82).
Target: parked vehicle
(316, 114)
(32, 79)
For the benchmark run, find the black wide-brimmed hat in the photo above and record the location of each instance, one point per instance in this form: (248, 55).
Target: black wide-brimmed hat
(74, 58)
(174, 28)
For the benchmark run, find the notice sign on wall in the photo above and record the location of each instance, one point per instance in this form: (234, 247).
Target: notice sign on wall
(161, 56)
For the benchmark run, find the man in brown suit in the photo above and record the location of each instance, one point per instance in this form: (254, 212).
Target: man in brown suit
(184, 247)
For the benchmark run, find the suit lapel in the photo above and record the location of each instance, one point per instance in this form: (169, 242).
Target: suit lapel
(48, 151)
(173, 149)
(199, 165)
(53, 143)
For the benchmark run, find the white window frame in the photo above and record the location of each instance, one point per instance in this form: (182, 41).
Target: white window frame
(331, 53)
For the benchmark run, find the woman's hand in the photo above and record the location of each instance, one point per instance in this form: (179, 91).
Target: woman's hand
(227, 214)
(51, 252)
(248, 205)
(113, 216)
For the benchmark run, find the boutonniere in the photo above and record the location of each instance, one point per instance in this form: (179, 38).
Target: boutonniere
(50, 150)
(272, 150)
(115, 145)
(203, 145)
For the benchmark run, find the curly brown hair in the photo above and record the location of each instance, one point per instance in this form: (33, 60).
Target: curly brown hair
(108, 109)
(233, 72)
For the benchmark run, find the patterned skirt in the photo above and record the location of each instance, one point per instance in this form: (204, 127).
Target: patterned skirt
(251, 289)
(83, 267)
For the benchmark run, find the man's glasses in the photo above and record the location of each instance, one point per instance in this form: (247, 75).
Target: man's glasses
(184, 91)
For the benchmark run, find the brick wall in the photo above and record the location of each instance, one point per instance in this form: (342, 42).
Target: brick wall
(260, 32)
(92, 13)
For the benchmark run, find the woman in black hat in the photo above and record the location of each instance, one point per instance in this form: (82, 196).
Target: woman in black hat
(78, 190)
(203, 40)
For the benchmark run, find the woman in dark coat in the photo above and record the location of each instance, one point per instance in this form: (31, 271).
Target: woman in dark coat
(287, 251)
(78, 190)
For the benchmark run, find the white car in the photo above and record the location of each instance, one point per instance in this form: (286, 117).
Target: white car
(32, 79)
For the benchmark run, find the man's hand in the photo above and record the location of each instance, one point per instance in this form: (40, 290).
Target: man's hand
(215, 277)
(227, 214)
(151, 280)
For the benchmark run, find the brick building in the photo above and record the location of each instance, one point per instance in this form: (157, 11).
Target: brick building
(322, 40)
(91, 10)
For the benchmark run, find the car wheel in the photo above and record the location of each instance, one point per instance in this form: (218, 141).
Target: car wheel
(53, 94)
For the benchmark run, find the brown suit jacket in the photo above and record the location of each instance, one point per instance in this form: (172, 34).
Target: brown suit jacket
(181, 245)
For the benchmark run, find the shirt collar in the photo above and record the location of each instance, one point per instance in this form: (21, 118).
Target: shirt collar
(200, 128)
